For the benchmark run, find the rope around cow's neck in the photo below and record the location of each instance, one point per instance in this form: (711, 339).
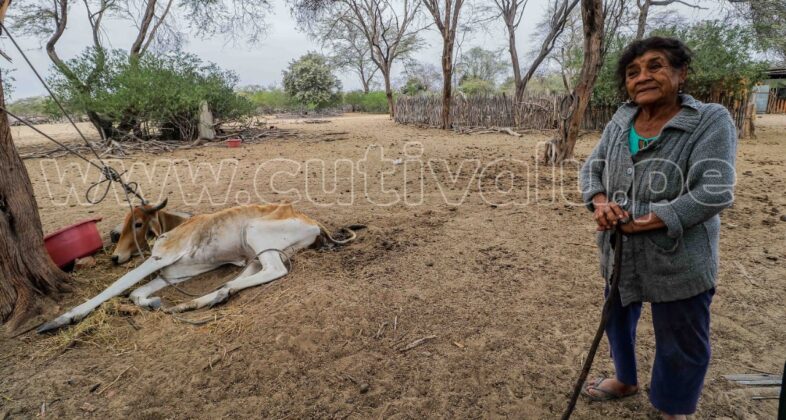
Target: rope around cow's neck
(613, 293)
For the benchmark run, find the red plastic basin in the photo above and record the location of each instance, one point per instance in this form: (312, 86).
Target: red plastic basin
(76, 241)
(233, 142)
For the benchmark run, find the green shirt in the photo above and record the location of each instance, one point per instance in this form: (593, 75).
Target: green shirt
(638, 142)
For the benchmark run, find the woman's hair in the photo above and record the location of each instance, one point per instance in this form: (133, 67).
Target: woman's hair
(678, 54)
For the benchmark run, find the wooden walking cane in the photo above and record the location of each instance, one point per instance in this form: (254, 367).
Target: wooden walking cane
(613, 293)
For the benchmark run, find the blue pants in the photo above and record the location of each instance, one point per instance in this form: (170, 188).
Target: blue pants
(682, 349)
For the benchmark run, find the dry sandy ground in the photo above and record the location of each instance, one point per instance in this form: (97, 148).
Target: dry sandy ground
(26, 136)
(511, 291)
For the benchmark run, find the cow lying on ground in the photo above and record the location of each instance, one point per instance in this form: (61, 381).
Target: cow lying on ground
(253, 236)
(140, 223)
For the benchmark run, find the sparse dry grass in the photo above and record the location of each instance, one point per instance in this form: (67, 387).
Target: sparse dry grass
(512, 294)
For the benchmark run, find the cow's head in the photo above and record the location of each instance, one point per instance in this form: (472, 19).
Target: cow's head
(133, 237)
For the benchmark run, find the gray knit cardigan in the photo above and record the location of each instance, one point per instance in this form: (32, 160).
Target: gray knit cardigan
(686, 178)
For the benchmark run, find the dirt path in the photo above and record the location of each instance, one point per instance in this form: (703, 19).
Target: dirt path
(506, 279)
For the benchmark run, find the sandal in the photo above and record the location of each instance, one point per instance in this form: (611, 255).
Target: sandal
(606, 395)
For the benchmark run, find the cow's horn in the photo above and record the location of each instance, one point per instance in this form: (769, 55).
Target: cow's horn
(158, 207)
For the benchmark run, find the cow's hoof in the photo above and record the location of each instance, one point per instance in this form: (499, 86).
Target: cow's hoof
(54, 324)
(153, 303)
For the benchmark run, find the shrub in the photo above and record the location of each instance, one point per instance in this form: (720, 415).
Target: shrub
(723, 61)
(374, 102)
(36, 106)
(414, 86)
(310, 81)
(271, 100)
(163, 91)
(473, 87)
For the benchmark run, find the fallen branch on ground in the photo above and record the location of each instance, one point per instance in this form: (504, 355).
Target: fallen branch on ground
(417, 342)
(488, 130)
(115, 381)
(211, 362)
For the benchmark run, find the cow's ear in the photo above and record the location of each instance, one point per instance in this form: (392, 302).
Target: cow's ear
(155, 224)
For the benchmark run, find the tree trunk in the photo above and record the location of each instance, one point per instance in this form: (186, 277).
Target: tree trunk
(365, 84)
(447, 81)
(27, 274)
(644, 10)
(592, 18)
(147, 18)
(389, 93)
(514, 60)
(365, 79)
(102, 125)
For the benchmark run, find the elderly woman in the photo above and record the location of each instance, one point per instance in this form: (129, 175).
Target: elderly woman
(662, 172)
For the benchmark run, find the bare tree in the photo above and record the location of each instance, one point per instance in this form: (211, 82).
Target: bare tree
(568, 49)
(567, 52)
(425, 77)
(644, 11)
(616, 14)
(768, 19)
(592, 17)
(479, 63)
(233, 20)
(511, 11)
(350, 50)
(390, 27)
(146, 29)
(446, 15)
(27, 274)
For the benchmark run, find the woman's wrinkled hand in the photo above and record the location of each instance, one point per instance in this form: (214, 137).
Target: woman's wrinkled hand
(607, 213)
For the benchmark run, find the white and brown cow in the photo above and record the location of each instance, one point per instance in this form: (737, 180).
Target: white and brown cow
(141, 223)
(254, 236)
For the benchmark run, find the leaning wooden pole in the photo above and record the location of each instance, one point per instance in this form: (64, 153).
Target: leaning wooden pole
(604, 317)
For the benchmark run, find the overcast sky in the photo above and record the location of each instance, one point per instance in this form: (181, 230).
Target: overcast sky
(259, 64)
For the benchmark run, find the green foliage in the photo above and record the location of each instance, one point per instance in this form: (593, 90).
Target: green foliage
(373, 102)
(421, 77)
(163, 90)
(77, 97)
(473, 87)
(548, 83)
(36, 106)
(310, 81)
(414, 86)
(723, 61)
(607, 89)
(160, 87)
(508, 87)
(271, 100)
(723, 57)
(354, 99)
(7, 79)
(768, 18)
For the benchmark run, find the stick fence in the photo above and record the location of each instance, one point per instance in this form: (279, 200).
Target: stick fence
(541, 112)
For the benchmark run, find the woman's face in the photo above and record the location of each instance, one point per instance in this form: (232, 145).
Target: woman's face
(649, 79)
